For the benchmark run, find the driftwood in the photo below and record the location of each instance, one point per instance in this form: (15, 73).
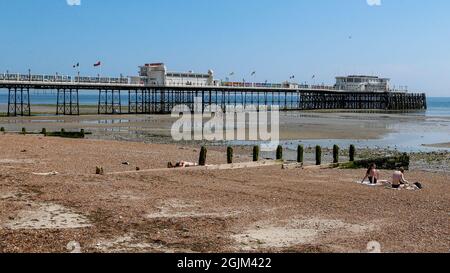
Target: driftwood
(291, 166)
(46, 174)
(99, 171)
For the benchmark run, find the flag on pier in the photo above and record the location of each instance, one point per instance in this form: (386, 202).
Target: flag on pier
(98, 64)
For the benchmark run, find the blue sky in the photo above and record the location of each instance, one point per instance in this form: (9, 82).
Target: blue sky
(406, 40)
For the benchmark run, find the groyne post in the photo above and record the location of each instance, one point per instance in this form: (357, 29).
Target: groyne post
(279, 154)
(352, 153)
(318, 155)
(229, 155)
(255, 153)
(335, 154)
(300, 153)
(202, 159)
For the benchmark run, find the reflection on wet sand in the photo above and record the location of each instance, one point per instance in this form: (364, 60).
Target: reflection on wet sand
(405, 132)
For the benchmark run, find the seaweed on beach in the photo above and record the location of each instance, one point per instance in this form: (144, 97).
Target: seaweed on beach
(387, 163)
(65, 134)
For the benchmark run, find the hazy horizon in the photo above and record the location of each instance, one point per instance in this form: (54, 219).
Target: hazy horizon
(406, 41)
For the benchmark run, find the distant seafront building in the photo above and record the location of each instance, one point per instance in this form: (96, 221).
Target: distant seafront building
(156, 74)
(362, 83)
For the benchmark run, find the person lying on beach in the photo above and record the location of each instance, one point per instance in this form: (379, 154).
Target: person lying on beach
(373, 174)
(398, 178)
(181, 164)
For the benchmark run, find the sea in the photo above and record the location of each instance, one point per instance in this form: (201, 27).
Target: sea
(437, 106)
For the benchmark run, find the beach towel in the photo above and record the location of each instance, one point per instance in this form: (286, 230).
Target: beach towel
(410, 187)
(388, 185)
(46, 174)
(380, 183)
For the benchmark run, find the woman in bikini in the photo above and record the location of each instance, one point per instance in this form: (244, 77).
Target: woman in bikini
(373, 174)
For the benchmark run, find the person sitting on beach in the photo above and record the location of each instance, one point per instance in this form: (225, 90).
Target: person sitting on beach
(373, 174)
(181, 164)
(398, 178)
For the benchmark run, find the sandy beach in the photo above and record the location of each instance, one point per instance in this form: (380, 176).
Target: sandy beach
(237, 135)
(253, 209)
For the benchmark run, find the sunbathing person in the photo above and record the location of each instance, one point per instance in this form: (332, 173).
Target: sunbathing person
(373, 174)
(181, 164)
(398, 178)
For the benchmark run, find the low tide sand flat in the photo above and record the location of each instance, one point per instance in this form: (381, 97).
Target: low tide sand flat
(46, 216)
(312, 209)
(439, 145)
(337, 127)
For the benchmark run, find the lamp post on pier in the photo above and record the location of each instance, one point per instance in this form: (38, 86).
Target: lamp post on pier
(253, 74)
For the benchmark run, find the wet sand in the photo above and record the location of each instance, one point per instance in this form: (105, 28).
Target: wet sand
(254, 209)
(375, 134)
(48, 109)
(439, 145)
(293, 125)
(404, 132)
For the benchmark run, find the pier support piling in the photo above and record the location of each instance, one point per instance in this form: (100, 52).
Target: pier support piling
(109, 102)
(162, 99)
(19, 101)
(141, 101)
(67, 102)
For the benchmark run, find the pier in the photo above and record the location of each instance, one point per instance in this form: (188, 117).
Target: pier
(144, 99)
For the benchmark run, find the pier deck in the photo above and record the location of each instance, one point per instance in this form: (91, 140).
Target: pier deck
(161, 99)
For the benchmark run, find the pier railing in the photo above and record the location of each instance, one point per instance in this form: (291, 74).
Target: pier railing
(131, 81)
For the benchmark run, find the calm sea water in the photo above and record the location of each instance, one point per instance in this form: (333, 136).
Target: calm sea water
(49, 97)
(437, 106)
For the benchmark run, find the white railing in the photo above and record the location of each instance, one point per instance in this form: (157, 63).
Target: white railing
(65, 79)
(61, 79)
